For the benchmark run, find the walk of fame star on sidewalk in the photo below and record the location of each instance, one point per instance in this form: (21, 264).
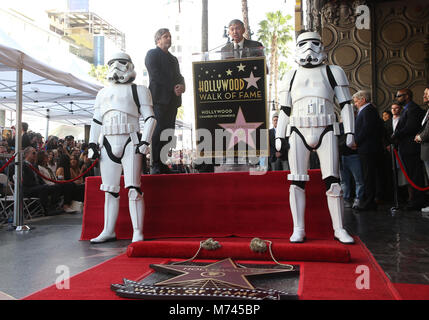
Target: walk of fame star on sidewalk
(221, 273)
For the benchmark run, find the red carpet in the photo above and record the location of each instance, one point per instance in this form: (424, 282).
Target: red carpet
(198, 206)
(213, 205)
(318, 280)
(239, 248)
(413, 291)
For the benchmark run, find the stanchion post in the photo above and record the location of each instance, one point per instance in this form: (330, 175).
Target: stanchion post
(394, 209)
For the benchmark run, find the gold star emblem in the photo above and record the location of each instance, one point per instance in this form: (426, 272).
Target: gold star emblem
(241, 67)
(229, 72)
(219, 274)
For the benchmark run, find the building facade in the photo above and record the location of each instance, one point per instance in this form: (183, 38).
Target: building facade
(382, 45)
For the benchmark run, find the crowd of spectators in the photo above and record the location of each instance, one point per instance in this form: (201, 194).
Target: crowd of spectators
(60, 159)
(59, 162)
(366, 169)
(400, 127)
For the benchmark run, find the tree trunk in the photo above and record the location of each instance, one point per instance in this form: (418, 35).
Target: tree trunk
(276, 72)
(270, 86)
(205, 27)
(245, 12)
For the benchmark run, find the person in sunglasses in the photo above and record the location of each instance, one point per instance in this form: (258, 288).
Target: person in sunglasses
(407, 128)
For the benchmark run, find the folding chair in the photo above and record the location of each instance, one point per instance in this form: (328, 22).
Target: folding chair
(6, 200)
(31, 205)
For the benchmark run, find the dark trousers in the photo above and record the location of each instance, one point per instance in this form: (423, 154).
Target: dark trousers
(73, 191)
(48, 194)
(78, 192)
(165, 119)
(370, 170)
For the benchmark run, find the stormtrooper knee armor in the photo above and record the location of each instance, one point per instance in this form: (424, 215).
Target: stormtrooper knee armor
(308, 118)
(116, 136)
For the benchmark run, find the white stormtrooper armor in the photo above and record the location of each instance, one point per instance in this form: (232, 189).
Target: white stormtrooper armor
(116, 130)
(308, 119)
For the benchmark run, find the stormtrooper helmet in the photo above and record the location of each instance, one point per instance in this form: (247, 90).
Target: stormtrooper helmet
(121, 68)
(309, 50)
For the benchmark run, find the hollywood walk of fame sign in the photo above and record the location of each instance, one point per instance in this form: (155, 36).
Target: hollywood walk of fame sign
(231, 114)
(220, 280)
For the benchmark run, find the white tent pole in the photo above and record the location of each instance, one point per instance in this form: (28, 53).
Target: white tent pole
(18, 217)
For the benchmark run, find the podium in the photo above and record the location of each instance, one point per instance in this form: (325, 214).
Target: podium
(231, 116)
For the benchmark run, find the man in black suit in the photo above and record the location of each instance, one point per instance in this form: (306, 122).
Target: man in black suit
(278, 160)
(240, 47)
(389, 128)
(390, 125)
(423, 137)
(408, 127)
(166, 85)
(369, 131)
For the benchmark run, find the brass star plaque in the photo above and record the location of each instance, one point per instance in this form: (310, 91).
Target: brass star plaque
(224, 273)
(219, 280)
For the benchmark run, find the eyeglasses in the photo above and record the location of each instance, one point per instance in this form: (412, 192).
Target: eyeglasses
(400, 95)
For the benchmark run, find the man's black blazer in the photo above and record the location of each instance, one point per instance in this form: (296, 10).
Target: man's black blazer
(164, 75)
(408, 126)
(251, 48)
(369, 131)
(29, 178)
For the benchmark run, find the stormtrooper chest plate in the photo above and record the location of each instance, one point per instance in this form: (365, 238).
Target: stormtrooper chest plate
(312, 98)
(119, 111)
(120, 98)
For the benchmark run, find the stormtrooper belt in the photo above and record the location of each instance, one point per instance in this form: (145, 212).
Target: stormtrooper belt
(327, 129)
(108, 147)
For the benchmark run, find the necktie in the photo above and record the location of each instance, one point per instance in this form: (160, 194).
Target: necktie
(237, 50)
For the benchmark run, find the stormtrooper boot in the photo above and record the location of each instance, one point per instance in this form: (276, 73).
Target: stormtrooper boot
(336, 208)
(111, 209)
(297, 207)
(136, 206)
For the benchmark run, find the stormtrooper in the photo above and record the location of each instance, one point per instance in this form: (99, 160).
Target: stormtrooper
(118, 140)
(307, 117)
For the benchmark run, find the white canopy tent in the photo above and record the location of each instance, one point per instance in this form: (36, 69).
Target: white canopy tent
(46, 92)
(30, 86)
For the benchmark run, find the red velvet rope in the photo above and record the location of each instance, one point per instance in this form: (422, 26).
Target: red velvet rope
(405, 174)
(62, 181)
(7, 163)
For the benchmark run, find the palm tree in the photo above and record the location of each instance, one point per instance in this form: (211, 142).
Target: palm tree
(245, 12)
(99, 72)
(275, 32)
